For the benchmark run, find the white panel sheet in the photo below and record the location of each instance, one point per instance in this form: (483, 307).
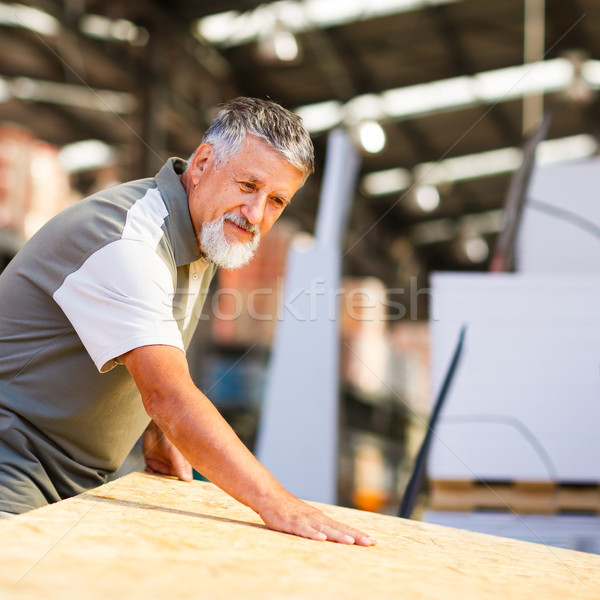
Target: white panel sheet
(560, 228)
(525, 401)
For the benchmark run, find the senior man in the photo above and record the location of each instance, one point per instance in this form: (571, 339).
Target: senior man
(97, 309)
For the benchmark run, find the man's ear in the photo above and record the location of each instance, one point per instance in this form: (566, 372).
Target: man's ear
(202, 158)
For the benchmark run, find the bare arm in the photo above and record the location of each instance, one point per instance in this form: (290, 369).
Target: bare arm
(194, 425)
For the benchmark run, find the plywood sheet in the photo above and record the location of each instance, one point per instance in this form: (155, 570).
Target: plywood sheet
(151, 537)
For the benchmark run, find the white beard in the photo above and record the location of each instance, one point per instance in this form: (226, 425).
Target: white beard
(228, 255)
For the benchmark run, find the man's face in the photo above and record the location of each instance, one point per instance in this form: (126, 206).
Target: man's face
(233, 205)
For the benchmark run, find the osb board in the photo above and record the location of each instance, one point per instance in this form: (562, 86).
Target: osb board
(153, 538)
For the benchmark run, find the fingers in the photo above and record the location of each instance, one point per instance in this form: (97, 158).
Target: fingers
(313, 534)
(335, 535)
(180, 466)
(366, 540)
(185, 473)
(343, 534)
(315, 525)
(288, 514)
(174, 467)
(156, 467)
(163, 457)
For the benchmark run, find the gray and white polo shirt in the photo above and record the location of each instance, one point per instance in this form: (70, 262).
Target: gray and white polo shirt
(116, 271)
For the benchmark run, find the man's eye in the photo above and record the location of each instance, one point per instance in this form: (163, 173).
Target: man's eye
(247, 185)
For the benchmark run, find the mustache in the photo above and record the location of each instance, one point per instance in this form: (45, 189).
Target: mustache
(242, 222)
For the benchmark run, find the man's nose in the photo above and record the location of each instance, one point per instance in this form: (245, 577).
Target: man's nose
(254, 209)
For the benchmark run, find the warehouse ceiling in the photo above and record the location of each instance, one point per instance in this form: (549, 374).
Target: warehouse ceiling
(442, 78)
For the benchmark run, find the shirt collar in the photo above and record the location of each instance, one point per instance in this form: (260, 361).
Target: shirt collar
(178, 223)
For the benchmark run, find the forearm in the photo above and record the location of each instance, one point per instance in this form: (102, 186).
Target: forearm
(193, 424)
(196, 427)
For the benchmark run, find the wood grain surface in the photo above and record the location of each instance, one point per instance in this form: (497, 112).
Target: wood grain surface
(152, 537)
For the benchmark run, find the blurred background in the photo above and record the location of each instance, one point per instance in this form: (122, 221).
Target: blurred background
(439, 96)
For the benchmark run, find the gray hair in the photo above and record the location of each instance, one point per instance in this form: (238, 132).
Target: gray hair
(280, 128)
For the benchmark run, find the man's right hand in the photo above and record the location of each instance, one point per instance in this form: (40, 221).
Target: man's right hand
(192, 423)
(291, 515)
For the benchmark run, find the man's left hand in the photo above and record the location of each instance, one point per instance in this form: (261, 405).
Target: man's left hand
(162, 456)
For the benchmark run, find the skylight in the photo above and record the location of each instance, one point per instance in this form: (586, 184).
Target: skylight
(233, 28)
(500, 85)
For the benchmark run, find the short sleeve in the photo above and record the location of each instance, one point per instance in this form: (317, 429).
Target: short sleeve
(120, 299)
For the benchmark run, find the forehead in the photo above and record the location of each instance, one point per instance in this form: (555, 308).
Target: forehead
(259, 162)
(253, 150)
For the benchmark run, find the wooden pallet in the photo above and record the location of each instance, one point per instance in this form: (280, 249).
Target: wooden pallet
(517, 496)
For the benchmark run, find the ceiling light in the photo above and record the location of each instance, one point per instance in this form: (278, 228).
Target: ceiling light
(500, 85)
(331, 13)
(523, 80)
(286, 46)
(569, 148)
(233, 28)
(427, 197)
(371, 136)
(476, 249)
(428, 97)
(95, 26)
(590, 70)
(579, 90)
(472, 166)
(386, 182)
(321, 116)
(278, 45)
(217, 28)
(121, 30)
(19, 15)
(38, 90)
(364, 107)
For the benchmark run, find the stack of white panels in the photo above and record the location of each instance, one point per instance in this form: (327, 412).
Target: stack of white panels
(524, 404)
(560, 227)
(575, 532)
(525, 401)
